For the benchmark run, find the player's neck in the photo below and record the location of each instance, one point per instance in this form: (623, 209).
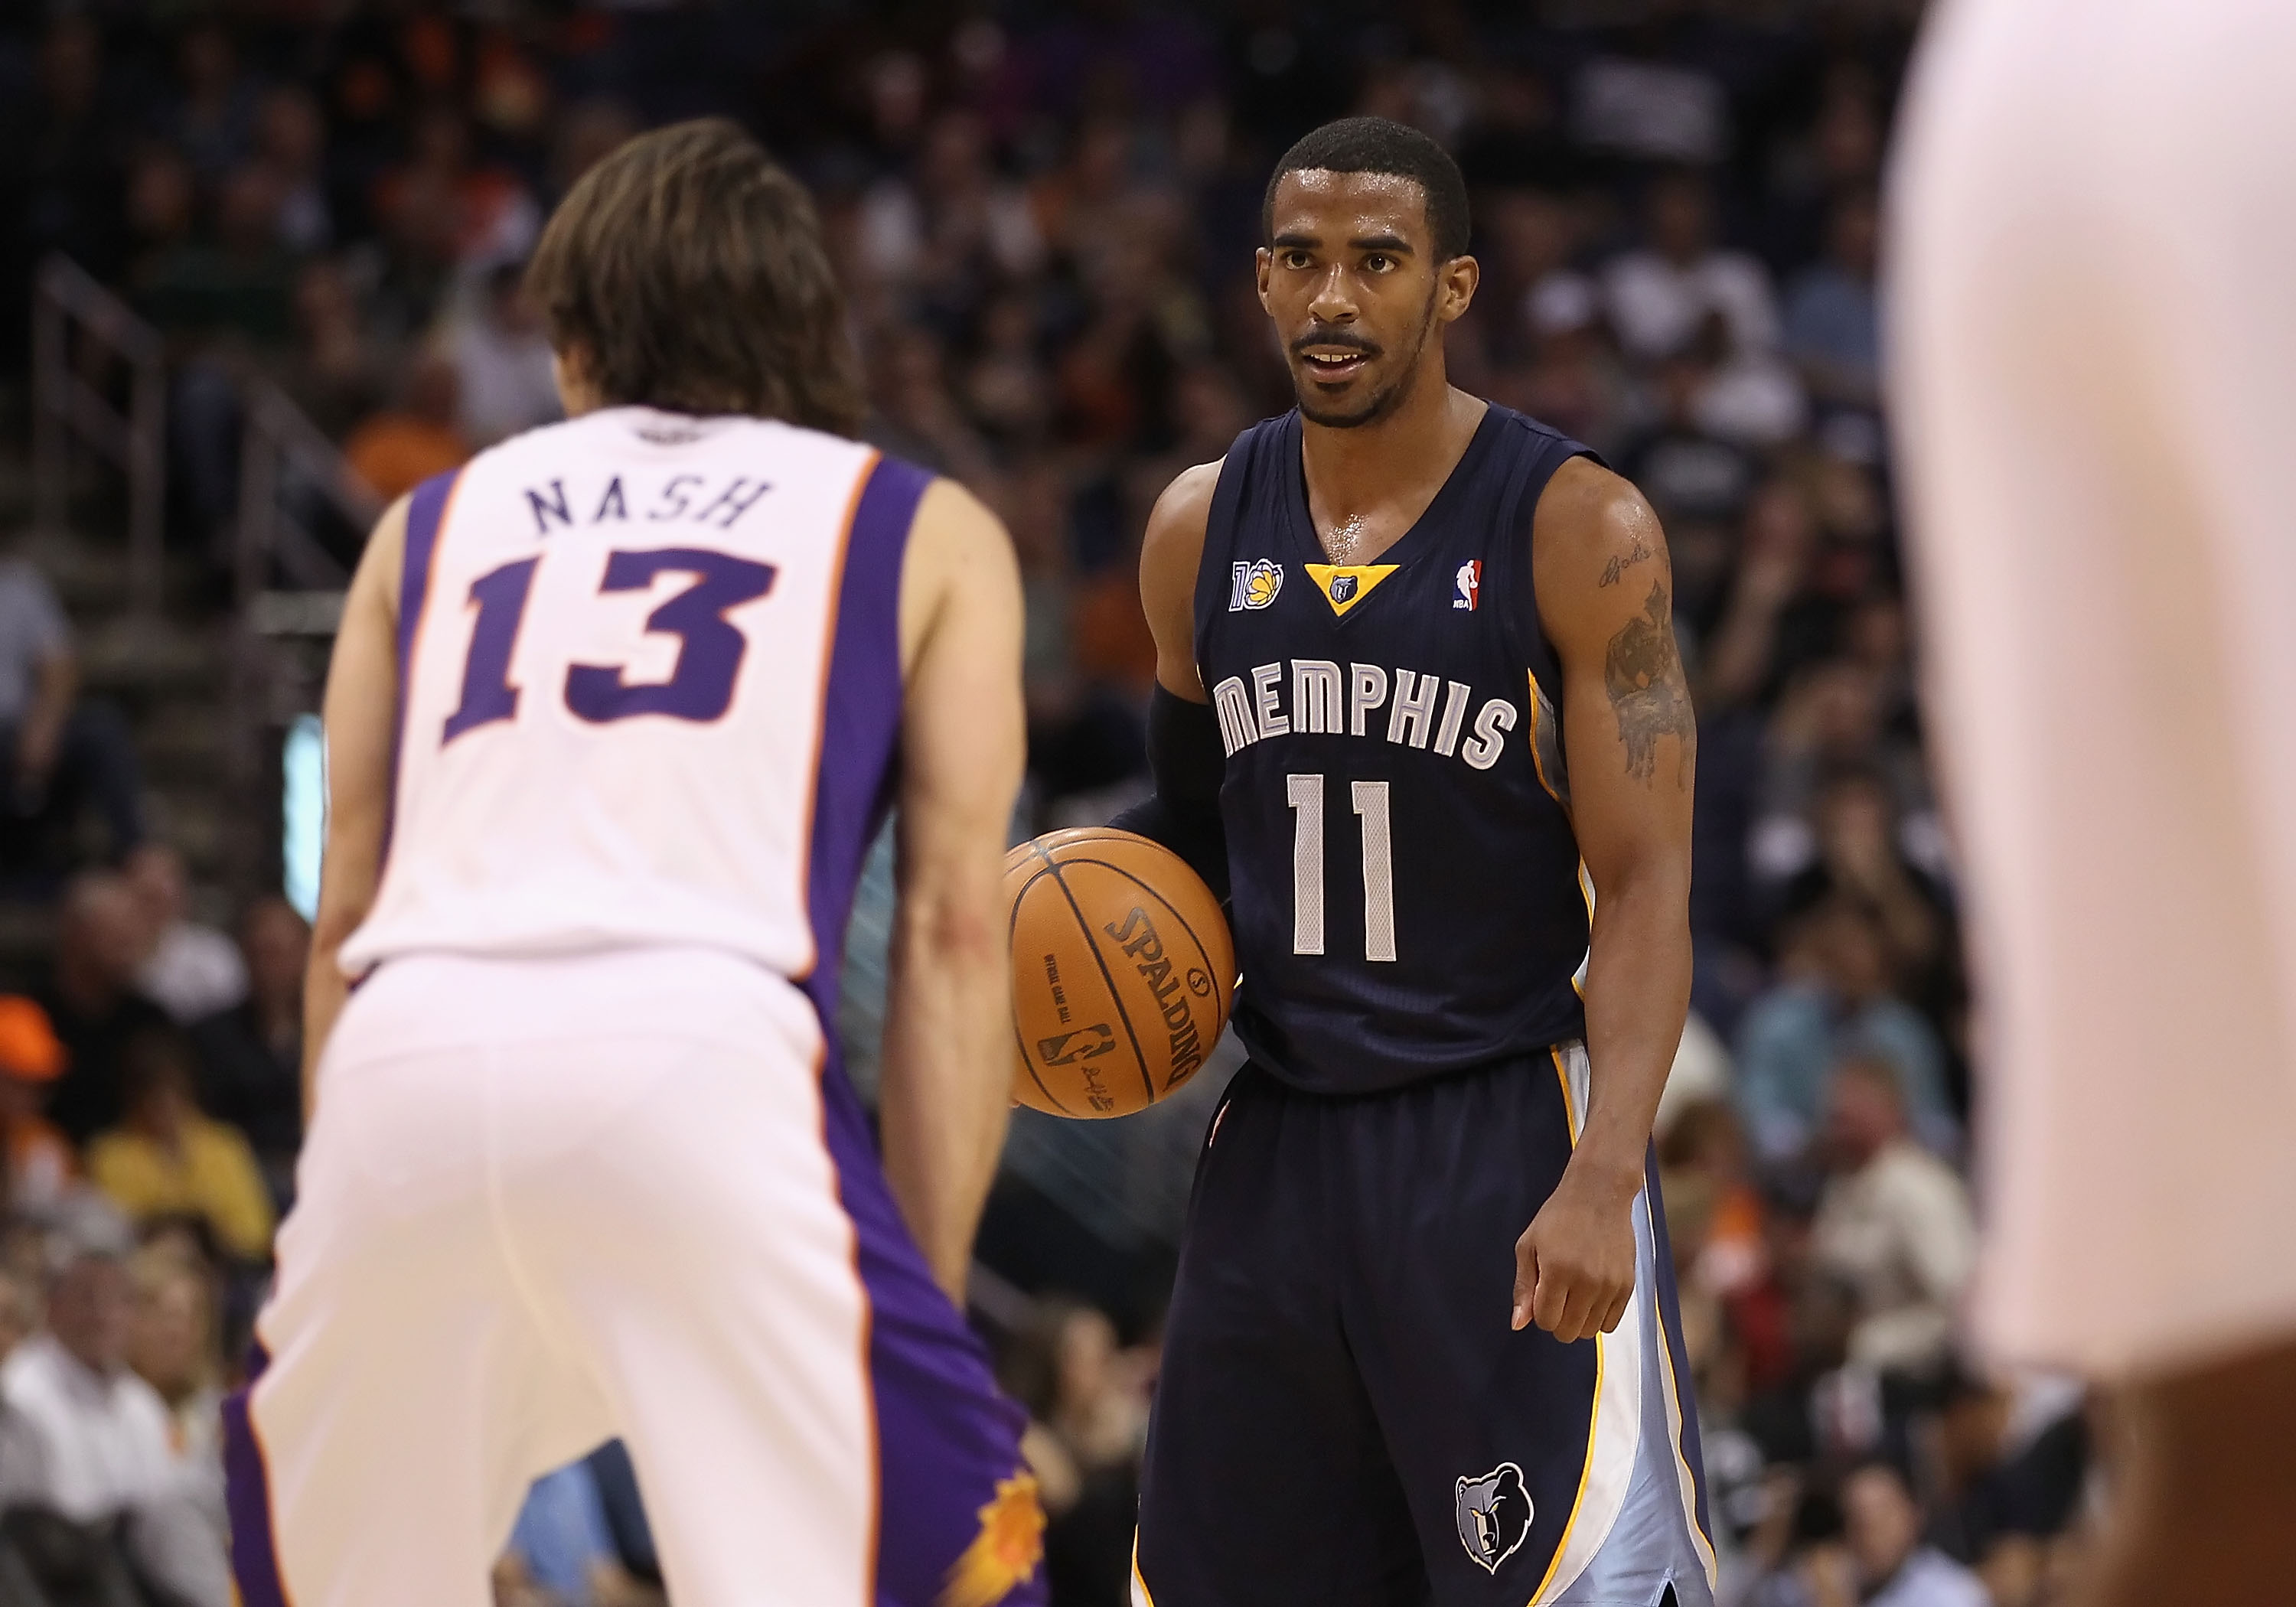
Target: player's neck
(1385, 473)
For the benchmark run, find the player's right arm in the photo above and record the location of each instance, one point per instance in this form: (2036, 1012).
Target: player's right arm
(947, 1080)
(362, 721)
(1184, 755)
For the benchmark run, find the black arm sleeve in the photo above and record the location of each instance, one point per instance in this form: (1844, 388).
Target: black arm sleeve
(1186, 758)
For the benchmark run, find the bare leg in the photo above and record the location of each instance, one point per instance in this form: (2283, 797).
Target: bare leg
(2207, 1485)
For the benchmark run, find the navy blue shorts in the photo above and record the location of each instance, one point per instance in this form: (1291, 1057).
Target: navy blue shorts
(1345, 1415)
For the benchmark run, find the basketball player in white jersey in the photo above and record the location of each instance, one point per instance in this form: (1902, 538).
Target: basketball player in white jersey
(614, 712)
(2094, 354)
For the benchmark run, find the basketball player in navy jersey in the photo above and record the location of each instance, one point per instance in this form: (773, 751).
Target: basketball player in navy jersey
(1420, 715)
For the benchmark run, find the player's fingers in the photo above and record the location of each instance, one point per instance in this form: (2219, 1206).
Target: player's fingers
(1526, 1282)
(1617, 1313)
(1578, 1306)
(1550, 1299)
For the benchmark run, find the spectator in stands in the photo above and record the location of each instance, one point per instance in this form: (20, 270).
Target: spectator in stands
(338, 372)
(168, 1159)
(1681, 288)
(57, 755)
(1890, 1567)
(193, 970)
(290, 136)
(90, 997)
(40, 1165)
(175, 1345)
(1833, 1002)
(398, 449)
(501, 360)
(1833, 319)
(251, 1054)
(211, 116)
(1894, 1224)
(84, 1449)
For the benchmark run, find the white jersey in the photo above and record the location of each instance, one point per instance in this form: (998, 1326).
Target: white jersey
(2093, 368)
(650, 691)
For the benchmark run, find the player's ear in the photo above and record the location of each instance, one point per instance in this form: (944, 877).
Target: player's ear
(1262, 260)
(1454, 287)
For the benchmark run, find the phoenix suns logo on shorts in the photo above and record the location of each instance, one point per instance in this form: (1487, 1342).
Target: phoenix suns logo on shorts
(1253, 584)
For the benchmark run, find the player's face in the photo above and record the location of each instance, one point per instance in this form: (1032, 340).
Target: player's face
(1351, 280)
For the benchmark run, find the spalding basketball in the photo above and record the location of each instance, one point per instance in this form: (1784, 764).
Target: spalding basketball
(1122, 972)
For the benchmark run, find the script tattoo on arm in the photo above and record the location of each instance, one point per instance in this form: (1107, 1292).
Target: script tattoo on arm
(1642, 674)
(1615, 571)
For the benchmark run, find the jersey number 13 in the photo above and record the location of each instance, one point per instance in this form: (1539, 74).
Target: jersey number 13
(709, 650)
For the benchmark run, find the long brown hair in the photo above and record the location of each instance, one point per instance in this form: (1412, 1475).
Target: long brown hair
(686, 271)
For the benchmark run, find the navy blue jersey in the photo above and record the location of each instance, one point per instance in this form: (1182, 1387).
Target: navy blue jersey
(1408, 899)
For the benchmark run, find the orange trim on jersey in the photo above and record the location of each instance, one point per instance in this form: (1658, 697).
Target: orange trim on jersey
(820, 719)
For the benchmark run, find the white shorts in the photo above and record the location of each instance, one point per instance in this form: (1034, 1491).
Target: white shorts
(2093, 370)
(548, 1202)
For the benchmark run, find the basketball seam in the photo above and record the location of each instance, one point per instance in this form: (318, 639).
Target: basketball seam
(1020, 1043)
(1210, 970)
(1139, 1055)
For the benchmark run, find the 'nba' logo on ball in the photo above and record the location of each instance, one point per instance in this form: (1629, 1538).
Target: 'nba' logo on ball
(1254, 584)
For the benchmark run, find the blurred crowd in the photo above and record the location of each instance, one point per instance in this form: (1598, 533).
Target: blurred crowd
(1044, 217)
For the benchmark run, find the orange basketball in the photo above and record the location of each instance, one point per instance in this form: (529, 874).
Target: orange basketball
(1122, 972)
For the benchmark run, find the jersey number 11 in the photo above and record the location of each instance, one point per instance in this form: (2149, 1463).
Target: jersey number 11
(1305, 793)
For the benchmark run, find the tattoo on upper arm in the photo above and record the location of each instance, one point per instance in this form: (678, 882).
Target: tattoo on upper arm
(1642, 672)
(1620, 563)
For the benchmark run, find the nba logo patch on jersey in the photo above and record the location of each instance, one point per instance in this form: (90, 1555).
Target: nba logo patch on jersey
(1254, 584)
(1471, 585)
(1494, 1515)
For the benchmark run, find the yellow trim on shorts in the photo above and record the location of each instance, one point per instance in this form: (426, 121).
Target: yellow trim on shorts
(1689, 1481)
(1569, 1105)
(1139, 1584)
(1586, 1476)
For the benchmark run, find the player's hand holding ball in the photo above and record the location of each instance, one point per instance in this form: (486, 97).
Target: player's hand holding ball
(1574, 1265)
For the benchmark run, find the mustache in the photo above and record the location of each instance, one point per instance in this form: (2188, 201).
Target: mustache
(1343, 339)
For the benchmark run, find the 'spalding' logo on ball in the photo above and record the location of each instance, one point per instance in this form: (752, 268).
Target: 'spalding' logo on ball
(1138, 938)
(1199, 983)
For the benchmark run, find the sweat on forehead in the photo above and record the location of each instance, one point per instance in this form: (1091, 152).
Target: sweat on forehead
(1381, 203)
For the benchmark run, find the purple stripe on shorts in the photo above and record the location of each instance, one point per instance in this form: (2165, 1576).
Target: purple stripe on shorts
(860, 715)
(247, 1493)
(946, 1438)
(426, 507)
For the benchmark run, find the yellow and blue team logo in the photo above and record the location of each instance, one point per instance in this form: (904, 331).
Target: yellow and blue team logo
(1253, 584)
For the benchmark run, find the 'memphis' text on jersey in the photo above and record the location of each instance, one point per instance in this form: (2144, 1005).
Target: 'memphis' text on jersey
(1406, 708)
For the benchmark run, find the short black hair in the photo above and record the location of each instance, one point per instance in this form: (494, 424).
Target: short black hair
(1378, 145)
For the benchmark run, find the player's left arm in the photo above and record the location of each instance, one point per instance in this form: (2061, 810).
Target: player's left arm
(1605, 591)
(362, 720)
